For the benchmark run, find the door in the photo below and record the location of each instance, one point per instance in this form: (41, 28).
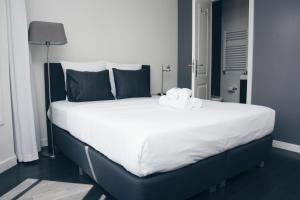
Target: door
(201, 45)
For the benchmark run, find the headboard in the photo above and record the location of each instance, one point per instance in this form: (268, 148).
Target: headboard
(58, 91)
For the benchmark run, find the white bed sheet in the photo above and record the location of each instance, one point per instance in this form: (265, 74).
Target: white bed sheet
(145, 137)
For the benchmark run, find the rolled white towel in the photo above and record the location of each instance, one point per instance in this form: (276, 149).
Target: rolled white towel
(180, 98)
(179, 93)
(187, 91)
(172, 92)
(188, 104)
(184, 94)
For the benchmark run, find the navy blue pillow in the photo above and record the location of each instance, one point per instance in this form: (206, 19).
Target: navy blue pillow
(132, 83)
(88, 86)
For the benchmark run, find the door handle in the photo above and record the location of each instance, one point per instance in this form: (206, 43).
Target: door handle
(192, 65)
(195, 66)
(200, 65)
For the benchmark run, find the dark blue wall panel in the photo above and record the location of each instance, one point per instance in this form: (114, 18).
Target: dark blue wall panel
(184, 43)
(276, 75)
(216, 47)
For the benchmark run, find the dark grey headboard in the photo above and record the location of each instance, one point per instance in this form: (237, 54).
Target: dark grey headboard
(58, 91)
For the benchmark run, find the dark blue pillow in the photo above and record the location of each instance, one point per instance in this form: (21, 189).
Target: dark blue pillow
(88, 86)
(132, 83)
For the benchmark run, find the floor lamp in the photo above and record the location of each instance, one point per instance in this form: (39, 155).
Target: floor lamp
(47, 34)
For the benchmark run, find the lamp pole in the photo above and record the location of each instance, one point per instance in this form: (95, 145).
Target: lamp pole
(50, 153)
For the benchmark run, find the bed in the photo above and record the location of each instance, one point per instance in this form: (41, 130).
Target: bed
(158, 159)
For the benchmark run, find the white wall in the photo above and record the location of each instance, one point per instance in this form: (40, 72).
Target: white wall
(125, 31)
(7, 155)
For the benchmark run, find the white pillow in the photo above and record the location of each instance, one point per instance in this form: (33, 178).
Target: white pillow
(82, 66)
(110, 66)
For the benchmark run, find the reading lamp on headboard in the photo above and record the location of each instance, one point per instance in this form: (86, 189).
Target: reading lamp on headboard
(48, 34)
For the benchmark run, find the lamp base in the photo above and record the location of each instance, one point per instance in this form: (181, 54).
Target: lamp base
(45, 153)
(161, 94)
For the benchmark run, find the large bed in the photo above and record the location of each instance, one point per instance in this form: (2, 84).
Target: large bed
(137, 149)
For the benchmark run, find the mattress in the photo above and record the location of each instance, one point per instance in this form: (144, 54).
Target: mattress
(145, 137)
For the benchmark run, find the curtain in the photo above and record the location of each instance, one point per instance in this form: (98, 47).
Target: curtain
(21, 82)
(35, 109)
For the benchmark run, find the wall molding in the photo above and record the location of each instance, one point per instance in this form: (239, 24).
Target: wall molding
(8, 163)
(286, 146)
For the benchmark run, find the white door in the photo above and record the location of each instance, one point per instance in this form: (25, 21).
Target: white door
(201, 64)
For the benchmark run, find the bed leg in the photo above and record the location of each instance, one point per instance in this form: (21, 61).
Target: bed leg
(222, 184)
(261, 164)
(80, 171)
(212, 189)
(103, 197)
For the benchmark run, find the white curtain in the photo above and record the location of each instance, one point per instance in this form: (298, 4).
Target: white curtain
(21, 82)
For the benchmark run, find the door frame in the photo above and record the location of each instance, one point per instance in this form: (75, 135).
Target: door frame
(250, 47)
(250, 51)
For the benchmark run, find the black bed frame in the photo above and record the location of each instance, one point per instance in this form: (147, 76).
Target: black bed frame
(179, 184)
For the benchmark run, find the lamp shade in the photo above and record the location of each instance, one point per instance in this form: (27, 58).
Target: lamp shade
(46, 32)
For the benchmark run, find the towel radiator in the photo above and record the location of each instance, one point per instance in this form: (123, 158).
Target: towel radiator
(235, 51)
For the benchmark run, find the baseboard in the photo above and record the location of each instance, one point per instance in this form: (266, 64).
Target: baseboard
(286, 146)
(44, 142)
(8, 163)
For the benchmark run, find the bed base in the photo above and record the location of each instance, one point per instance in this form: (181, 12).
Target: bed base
(178, 184)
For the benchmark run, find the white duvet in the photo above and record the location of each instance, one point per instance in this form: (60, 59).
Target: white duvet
(145, 137)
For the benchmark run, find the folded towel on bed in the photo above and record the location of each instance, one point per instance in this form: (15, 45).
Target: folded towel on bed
(189, 104)
(179, 93)
(180, 99)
